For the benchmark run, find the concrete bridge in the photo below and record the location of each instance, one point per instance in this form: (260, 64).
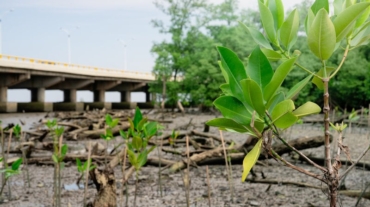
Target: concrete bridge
(40, 75)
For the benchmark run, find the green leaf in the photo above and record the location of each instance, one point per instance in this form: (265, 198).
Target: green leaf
(235, 70)
(320, 4)
(346, 20)
(309, 19)
(271, 55)
(282, 116)
(259, 68)
(253, 93)
(278, 78)
(225, 123)
(233, 108)
(151, 129)
(108, 119)
(321, 36)
(64, 149)
(277, 98)
(364, 16)
(226, 89)
(317, 81)
(338, 6)
(137, 117)
(16, 164)
(137, 142)
(298, 87)
(131, 157)
(277, 10)
(224, 73)
(114, 123)
(141, 124)
(250, 159)
(257, 36)
(268, 22)
(142, 158)
(307, 109)
(289, 29)
(78, 162)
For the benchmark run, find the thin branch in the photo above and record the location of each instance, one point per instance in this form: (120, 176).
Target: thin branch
(341, 63)
(354, 163)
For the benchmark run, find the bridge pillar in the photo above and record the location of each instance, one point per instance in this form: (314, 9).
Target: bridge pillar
(38, 95)
(147, 96)
(125, 96)
(99, 96)
(70, 95)
(3, 94)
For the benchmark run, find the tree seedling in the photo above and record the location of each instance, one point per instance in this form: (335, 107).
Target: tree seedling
(108, 135)
(252, 102)
(137, 138)
(10, 171)
(17, 130)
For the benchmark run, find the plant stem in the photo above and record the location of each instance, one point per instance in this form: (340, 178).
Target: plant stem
(227, 166)
(87, 173)
(341, 63)
(7, 156)
(2, 186)
(187, 174)
(159, 149)
(136, 183)
(3, 155)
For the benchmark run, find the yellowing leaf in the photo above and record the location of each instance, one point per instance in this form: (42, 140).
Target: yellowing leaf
(307, 109)
(250, 159)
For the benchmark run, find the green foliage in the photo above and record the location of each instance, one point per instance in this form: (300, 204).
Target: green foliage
(137, 137)
(82, 167)
(17, 131)
(13, 169)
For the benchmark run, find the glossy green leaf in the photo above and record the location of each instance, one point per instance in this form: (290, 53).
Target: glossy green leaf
(108, 119)
(361, 41)
(277, 10)
(321, 36)
(320, 4)
(298, 87)
(364, 16)
(142, 158)
(225, 123)
(141, 124)
(254, 93)
(278, 78)
(55, 158)
(338, 6)
(16, 164)
(348, 3)
(346, 20)
(259, 68)
(267, 22)
(250, 159)
(309, 19)
(282, 116)
(64, 149)
(151, 129)
(289, 29)
(232, 108)
(226, 89)
(271, 55)
(224, 73)
(137, 117)
(257, 36)
(277, 98)
(307, 109)
(235, 70)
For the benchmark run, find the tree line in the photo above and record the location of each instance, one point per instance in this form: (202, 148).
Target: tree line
(186, 64)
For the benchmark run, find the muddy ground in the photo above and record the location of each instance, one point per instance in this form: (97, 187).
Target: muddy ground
(173, 193)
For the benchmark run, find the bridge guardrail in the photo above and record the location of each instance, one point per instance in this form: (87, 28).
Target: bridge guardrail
(48, 62)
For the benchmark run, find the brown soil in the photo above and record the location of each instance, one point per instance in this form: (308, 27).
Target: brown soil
(173, 193)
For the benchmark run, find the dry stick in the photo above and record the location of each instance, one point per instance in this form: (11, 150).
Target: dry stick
(87, 173)
(227, 166)
(354, 163)
(124, 180)
(59, 171)
(7, 156)
(209, 187)
(123, 174)
(159, 169)
(25, 162)
(187, 176)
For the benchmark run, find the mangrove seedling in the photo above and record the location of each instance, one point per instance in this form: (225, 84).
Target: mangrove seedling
(10, 171)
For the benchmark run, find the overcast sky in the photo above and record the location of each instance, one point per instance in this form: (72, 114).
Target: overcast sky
(33, 30)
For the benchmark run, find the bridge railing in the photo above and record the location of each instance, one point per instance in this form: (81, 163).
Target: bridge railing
(68, 65)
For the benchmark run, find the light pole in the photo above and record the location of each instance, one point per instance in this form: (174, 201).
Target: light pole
(124, 54)
(69, 42)
(1, 17)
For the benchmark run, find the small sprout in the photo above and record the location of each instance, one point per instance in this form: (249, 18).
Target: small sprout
(17, 131)
(338, 127)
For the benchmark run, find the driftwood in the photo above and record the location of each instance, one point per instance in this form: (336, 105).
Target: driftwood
(216, 155)
(194, 132)
(321, 161)
(95, 134)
